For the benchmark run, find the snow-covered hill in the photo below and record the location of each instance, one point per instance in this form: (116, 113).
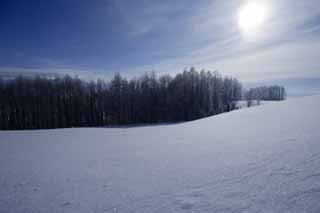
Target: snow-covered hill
(261, 159)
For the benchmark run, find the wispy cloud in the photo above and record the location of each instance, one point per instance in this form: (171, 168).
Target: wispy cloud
(168, 36)
(13, 72)
(288, 46)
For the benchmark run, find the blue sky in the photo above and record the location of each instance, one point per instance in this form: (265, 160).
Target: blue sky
(101, 37)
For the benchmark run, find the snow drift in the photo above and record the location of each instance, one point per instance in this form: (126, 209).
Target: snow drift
(261, 159)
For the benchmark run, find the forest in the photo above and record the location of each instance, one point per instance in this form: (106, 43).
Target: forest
(61, 102)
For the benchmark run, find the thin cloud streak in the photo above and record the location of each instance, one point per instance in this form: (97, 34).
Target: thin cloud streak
(170, 36)
(286, 49)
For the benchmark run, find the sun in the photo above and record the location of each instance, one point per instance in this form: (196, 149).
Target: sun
(252, 16)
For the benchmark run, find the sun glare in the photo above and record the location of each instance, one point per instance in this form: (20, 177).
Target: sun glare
(252, 16)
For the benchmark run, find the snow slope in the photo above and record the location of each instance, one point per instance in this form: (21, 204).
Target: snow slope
(260, 159)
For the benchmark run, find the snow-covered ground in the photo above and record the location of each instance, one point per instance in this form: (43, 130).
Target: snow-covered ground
(260, 159)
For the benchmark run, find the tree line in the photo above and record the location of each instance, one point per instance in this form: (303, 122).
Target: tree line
(266, 93)
(36, 103)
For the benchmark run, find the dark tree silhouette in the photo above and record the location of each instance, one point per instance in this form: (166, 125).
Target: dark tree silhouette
(36, 103)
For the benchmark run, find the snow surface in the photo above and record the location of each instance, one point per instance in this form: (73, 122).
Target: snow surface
(260, 159)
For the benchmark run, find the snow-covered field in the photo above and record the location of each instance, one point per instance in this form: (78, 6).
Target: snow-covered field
(260, 159)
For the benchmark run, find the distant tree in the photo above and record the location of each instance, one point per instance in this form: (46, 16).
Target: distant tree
(249, 102)
(271, 93)
(258, 102)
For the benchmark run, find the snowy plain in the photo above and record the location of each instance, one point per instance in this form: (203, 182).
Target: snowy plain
(260, 159)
